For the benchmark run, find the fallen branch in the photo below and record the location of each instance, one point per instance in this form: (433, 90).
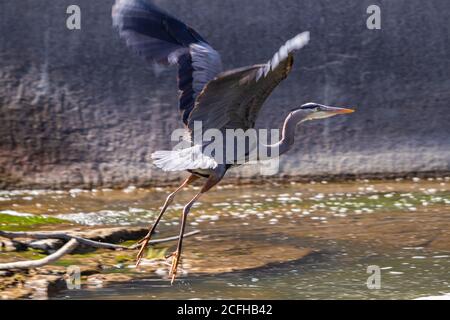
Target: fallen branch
(158, 241)
(62, 236)
(88, 242)
(73, 242)
(67, 248)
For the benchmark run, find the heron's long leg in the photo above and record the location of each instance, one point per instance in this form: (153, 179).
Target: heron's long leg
(152, 229)
(211, 182)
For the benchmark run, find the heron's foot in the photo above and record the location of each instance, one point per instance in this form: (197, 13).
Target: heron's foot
(144, 243)
(175, 261)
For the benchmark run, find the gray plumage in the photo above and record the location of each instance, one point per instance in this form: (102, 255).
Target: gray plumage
(219, 100)
(160, 38)
(233, 99)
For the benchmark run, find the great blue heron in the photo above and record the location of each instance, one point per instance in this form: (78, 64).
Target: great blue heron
(220, 100)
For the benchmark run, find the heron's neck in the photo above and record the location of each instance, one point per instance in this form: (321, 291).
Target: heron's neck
(287, 138)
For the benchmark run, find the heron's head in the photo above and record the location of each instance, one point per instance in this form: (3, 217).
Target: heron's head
(315, 111)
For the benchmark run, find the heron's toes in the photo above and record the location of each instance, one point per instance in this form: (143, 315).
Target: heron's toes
(141, 252)
(146, 238)
(171, 255)
(174, 267)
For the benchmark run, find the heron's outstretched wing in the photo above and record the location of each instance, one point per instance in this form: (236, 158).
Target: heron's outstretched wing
(234, 98)
(161, 38)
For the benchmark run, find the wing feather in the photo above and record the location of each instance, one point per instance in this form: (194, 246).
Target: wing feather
(234, 98)
(160, 38)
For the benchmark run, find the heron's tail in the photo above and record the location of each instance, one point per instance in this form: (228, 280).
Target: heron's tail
(184, 159)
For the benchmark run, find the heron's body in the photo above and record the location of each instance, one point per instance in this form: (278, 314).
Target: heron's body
(217, 99)
(206, 173)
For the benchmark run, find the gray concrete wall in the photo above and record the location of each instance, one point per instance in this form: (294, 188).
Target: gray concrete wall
(77, 109)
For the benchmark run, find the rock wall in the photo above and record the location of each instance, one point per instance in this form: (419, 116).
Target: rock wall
(77, 109)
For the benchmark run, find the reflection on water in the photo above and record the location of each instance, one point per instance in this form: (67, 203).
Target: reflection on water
(401, 226)
(327, 276)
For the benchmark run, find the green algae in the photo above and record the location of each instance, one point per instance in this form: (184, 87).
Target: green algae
(22, 223)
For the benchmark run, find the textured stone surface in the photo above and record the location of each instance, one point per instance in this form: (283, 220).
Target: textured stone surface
(77, 109)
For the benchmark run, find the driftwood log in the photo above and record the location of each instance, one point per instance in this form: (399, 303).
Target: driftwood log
(91, 238)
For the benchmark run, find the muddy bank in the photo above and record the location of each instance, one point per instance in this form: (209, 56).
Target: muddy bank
(102, 268)
(266, 232)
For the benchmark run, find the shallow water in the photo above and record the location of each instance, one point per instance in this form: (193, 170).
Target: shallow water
(338, 275)
(402, 227)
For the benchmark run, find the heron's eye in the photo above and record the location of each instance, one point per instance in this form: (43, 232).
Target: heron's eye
(317, 109)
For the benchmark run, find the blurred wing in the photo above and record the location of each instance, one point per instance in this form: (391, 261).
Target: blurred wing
(234, 98)
(161, 38)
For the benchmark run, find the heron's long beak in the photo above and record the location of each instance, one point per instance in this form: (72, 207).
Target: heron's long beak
(327, 112)
(335, 110)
